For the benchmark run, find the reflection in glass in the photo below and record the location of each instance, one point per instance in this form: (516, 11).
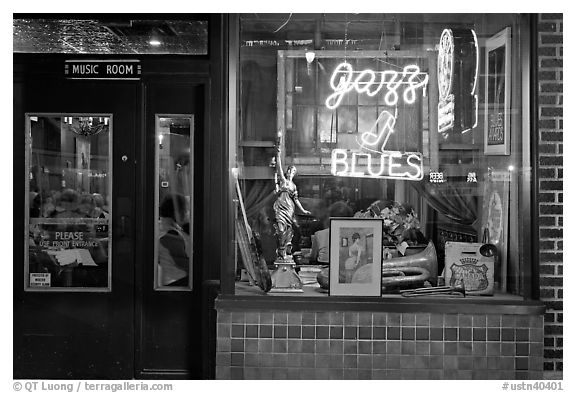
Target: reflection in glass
(69, 201)
(173, 196)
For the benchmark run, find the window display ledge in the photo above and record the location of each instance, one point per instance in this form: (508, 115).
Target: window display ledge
(312, 299)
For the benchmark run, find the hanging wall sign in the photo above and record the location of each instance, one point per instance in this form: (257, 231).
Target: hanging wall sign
(103, 69)
(457, 81)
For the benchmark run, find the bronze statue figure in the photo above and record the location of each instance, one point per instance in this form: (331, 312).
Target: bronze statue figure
(284, 207)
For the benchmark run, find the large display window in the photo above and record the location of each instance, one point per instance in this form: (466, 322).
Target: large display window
(416, 120)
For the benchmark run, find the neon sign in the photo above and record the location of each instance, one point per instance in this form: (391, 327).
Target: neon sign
(344, 79)
(384, 164)
(458, 104)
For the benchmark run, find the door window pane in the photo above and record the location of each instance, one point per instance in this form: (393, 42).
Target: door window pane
(173, 196)
(68, 201)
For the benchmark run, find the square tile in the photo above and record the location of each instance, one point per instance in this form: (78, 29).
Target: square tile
(464, 334)
(393, 333)
(265, 345)
(379, 362)
(450, 362)
(237, 359)
(295, 346)
(336, 318)
(365, 361)
(279, 346)
(350, 332)
(479, 348)
(322, 360)
(436, 348)
(350, 361)
(364, 374)
(223, 358)
(464, 348)
(265, 331)
(522, 363)
(222, 372)
(464, 320)
(251, 345)
(493, 334)
(408, 347)
(294, 331)
(336, 347)
(379, 347)
(507, 363)
(308, 318)
(409, 374)
(480, 362)
(223, 345)
(336, 332)
(422, 319)
(450, 334)
(280, 318)
(252, 331)
(408, 320)
(393, 348)
(379, 319)
(266, 360)
(378, 374)
(479, 334)
(393, 319)
(322, 332)
(350, 374)
(536, 349)
(507, 334)
(422, 348)
(408, 333)
(508, 321)
(493, 320)
(237, 345)
(322, 318)
(351, 319)
(307, 374)
(365, 347)
(309, 332)
(436, 320)
(536, 335)
(421, 362)
(322, 346)
(293, 374)
(379, 333)
(280, 331)
(436, 334)
(238, 317)
(365, 319)
(251, 360)
(451, 320)
(478, 320)
(393, 362)
(492, 363)
(522, 349)
(266, 318)
(536, 321)
(493, 349)
(365, 332)
(507, 349)
(308, 360)
(407, 362)
(295, 318)
(522, 335)
(252, 318)
(422, 333)
(522, 321)
(436, 362)
(435, 374)
(465, 363)
(336, 361)
(224, 317)
(450, 348)
(350, 346)
(279, 373)
(223, 330)
(394, 374)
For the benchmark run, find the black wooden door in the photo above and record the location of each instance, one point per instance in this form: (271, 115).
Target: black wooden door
(130, 329)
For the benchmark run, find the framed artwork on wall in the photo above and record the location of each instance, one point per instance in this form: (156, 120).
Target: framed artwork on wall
(497, 94)
(355, 257)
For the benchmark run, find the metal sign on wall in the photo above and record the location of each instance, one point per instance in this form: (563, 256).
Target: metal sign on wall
(103, 69)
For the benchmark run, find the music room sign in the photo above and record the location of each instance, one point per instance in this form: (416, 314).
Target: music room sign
(103, 69)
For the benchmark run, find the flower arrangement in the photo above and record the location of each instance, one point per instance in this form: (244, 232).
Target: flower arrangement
(401, 223)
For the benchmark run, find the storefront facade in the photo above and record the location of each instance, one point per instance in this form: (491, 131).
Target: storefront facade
(434, 128)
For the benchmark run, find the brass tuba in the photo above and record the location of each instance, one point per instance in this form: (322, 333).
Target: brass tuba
(405, 272)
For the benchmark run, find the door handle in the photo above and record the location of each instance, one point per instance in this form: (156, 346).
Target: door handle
(123, 226)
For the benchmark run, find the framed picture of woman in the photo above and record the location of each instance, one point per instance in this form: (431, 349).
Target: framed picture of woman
(355, 257)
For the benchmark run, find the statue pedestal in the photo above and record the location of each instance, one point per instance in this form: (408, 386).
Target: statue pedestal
(284, 278)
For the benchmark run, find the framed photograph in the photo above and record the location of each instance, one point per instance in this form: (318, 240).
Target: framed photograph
(355, 257)
(497, 90)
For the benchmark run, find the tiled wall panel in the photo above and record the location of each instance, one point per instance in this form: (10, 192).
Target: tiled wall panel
(365, 345)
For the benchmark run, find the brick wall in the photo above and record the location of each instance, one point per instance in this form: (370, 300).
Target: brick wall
(550, 77)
